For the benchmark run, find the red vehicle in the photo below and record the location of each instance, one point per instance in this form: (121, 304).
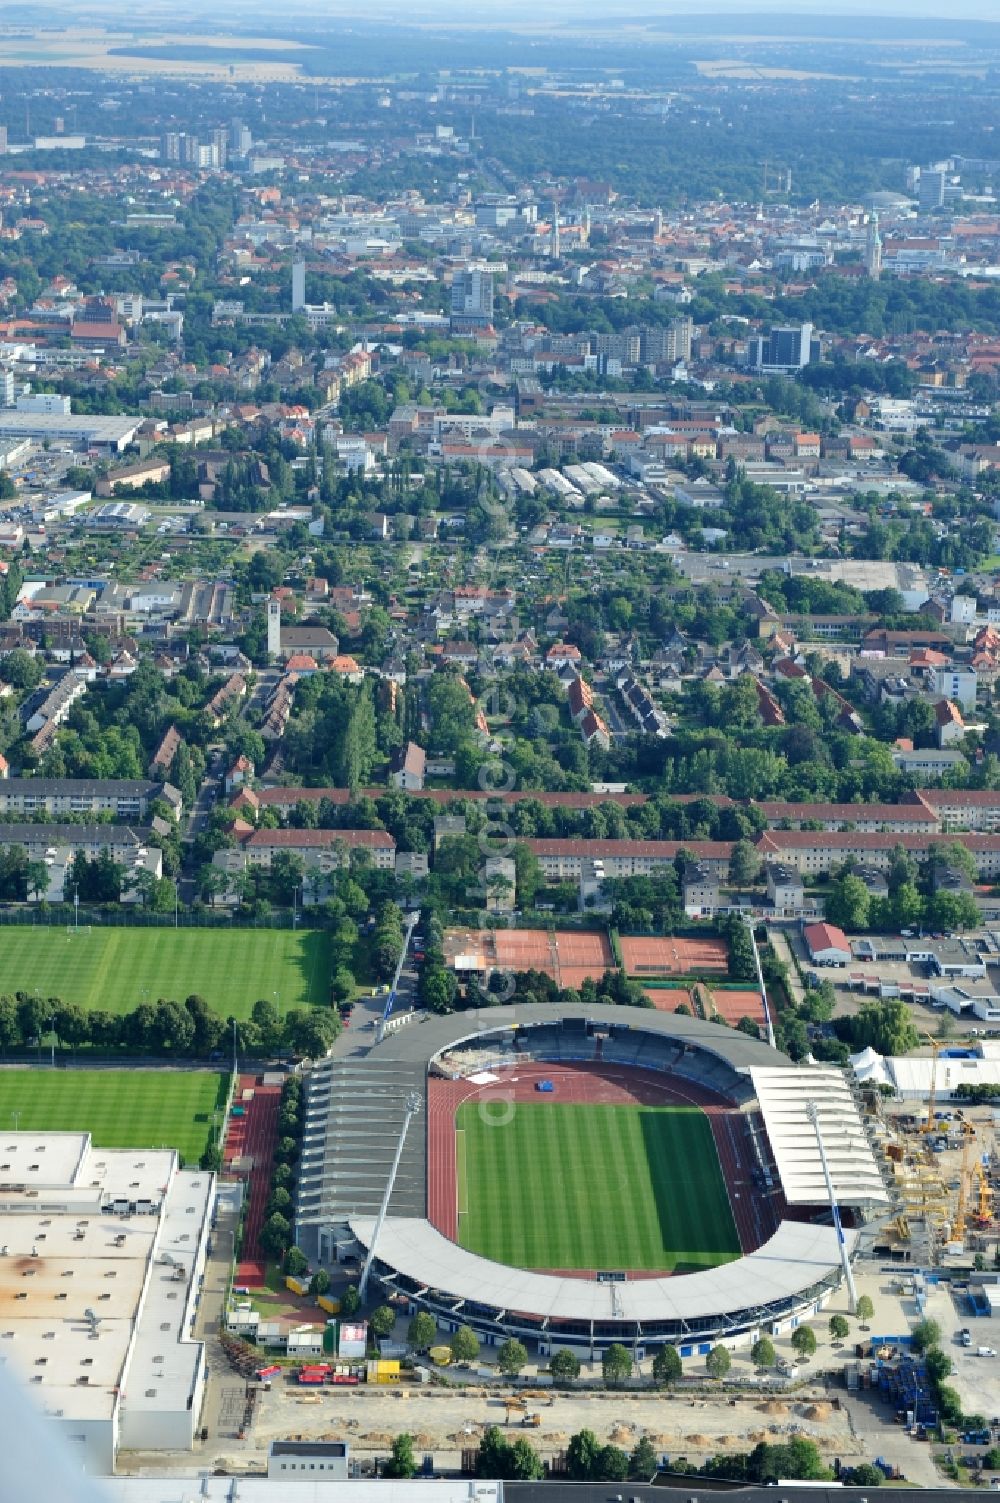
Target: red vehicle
(264, 1374)
(350, 1380)
(315, 1375)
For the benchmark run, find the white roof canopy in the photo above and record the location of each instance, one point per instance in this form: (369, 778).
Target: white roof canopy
(798, 1256)
(784, 1096)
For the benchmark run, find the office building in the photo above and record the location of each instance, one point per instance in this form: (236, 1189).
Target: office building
(240, 139)
(298, 286)
(472, 297)
(7, 388)
(784, 350)
(930, 188)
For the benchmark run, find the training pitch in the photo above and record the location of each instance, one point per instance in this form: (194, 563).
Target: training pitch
(116, 969)
(119, 1108)
(602, 1188)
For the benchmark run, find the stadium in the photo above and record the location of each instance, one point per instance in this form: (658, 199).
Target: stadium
(581, 1175)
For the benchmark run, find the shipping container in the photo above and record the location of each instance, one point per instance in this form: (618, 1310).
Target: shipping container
(331, 1306)
(297, 1286)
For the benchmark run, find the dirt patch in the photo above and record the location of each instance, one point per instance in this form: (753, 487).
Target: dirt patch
(622, 1435)
(817, 1411)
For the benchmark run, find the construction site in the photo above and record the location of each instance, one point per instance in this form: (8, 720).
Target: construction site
(943, 1172)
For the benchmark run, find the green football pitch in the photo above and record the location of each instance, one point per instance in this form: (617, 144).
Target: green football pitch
(117, 969)
(119, 1108)
(606, 1188)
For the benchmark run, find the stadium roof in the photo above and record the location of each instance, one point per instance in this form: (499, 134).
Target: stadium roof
(429, 1034)
(798, 1256)
(784, 1096)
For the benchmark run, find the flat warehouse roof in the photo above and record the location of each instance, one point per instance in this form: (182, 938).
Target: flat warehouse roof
(51, 424)
(798, 1256)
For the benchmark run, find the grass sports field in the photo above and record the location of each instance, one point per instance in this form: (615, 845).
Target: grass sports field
(117, 969)
(595, 1187)
(119, 1108)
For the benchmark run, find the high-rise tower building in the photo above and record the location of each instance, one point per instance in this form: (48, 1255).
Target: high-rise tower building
(873, 249)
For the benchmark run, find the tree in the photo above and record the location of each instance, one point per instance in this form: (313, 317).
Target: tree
(849, 903)
(38, 879)
(511, 1357)
(493, 1459)
(839, 1327)
(295, 1262)
(564, 1365)
(804, 1341)
(744, 864)
(421, 1331)
(643, 1462)
(865, 1310)
(762, 1352)
(885, 1027)
(319, 1283)
(20, 669)
(667, 1366)
(383, 1320)
(616, 1364)
(718, 1362)
(402, 1462)
(275, 1235)
(581, 1456)
(938, 1365)
(612, 1464)
(525, 1464)
(350, 1301)
(465, 1345)
(926, 1333)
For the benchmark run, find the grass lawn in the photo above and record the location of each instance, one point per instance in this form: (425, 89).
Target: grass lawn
(119, 1108)
(117, 969)
(595, 1187)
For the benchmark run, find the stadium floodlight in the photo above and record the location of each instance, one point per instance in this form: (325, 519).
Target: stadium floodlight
(812, 1112)
(760, 982)
(413, 1103)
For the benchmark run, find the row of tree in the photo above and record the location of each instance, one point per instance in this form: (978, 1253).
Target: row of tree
(188, 1029)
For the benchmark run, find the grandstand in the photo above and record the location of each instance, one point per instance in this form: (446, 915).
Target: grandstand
(598, 1055)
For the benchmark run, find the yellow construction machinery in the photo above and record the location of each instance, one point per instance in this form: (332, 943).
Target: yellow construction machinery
(936, 1047)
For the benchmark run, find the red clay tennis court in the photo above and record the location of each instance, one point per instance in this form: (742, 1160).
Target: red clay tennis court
(569, 958)
(655, 955)
(734, 1005)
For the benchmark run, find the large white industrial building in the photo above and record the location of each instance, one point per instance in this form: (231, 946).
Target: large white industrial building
(102, 1253)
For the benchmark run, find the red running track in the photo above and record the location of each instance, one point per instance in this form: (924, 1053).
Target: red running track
(254, 1135)
(596, 1084)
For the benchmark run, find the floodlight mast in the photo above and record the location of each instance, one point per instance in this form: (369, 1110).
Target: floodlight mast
(413, 1105)
(812, 1112)
(768, 1024)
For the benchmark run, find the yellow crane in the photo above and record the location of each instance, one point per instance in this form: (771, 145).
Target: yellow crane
(964, 1181)
(984, 1210)
(936, 1047)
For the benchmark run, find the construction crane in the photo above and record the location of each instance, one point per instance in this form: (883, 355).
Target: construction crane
(936, 1048)
(984, 1209)
(964, 1182)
